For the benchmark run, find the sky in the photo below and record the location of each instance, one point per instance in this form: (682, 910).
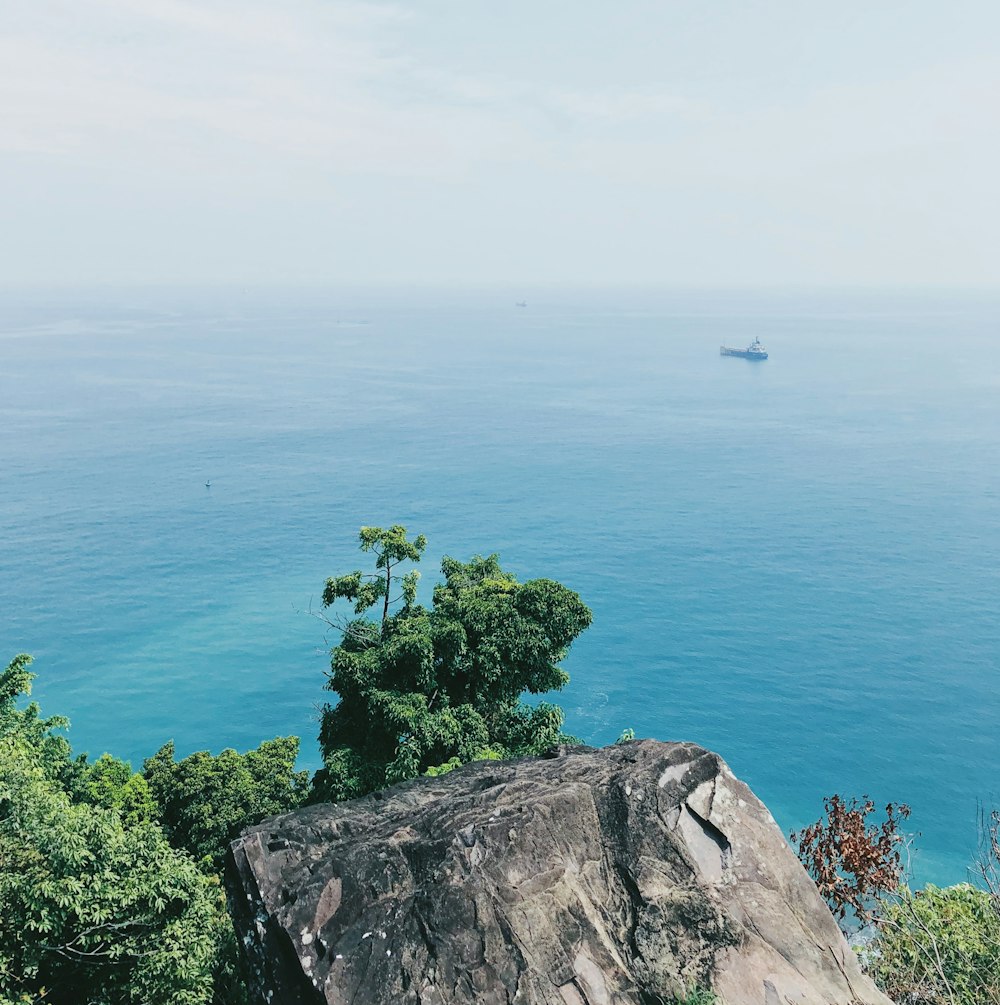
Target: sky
(670, 143)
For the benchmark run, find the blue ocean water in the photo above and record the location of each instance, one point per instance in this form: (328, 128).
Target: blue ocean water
(794, 562)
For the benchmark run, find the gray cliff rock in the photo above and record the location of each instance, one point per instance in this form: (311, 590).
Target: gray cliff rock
(621, 876)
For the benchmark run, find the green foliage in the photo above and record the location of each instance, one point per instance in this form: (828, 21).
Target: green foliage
(696, 996)
(52, 748)
(113, 784)
(627, 736)
(443, 769)
(97, 907)
(364, 590)
(229, 979)
(938, 947)
(420, 689)
(205, 801)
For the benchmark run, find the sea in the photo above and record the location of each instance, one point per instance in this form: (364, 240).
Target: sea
(795, 562)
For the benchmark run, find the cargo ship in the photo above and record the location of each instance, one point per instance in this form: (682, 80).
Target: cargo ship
(753, 351)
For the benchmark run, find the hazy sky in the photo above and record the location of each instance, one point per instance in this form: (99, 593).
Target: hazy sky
(673, 142)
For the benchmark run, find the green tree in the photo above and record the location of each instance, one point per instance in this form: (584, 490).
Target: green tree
(423, 689)
(205, 801)
(43, 735)
(391, 548)
(95, 908)
(113, 784)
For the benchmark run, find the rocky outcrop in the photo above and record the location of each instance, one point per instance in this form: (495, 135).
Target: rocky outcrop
(622, 876)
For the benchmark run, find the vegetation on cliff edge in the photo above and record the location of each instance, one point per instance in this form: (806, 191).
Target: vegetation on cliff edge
(421, 690)
(925, 947)
(109, 879)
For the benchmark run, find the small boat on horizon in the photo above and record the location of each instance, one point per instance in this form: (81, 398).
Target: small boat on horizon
(753, 351)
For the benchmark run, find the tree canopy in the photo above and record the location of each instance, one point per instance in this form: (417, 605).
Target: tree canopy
(422, 689)
(97, 907)
(204, 801)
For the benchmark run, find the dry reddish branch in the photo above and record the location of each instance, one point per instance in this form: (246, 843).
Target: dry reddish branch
(852, 862)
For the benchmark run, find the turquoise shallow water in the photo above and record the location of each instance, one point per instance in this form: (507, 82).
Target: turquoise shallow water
(794, 562)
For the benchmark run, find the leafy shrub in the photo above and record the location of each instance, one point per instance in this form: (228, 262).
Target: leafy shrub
(697, 996)
(205, 800)
(938, 947)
